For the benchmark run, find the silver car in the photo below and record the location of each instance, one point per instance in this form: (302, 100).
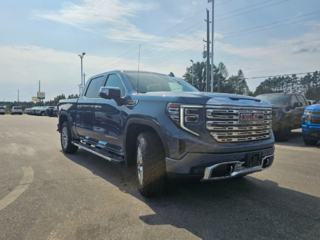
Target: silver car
(16, 110)
(2, 111)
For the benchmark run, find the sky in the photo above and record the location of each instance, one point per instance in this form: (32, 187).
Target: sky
(40, 40)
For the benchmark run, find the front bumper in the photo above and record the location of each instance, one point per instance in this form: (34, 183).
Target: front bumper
(311, 131)
(185, 167)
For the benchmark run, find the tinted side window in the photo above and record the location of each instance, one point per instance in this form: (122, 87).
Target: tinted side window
(94, 87)
(301, 99)
(293, 99)
(115, 81)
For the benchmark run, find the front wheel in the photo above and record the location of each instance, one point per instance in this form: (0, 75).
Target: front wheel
(310, 141)
(151, 168)
(284, 134)
(66, 138)
(43, 114)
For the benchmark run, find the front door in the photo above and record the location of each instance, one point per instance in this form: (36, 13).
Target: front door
(85, 117)
(109, 118)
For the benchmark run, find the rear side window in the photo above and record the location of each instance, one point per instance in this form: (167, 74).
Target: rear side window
(301, 99)
(115, 81)
(94, 87)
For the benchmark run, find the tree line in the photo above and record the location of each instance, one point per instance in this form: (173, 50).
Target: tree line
(235, 84)
(309, 85)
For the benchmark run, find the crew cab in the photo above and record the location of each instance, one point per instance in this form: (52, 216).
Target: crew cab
(167, 128)
(311, 125)
(287, 110)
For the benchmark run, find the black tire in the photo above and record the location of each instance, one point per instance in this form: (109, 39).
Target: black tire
(43, 113)
(151, 157)
(310, 141)
(65, 139)
(283, 135)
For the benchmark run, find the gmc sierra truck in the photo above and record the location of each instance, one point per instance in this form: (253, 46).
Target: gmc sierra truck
(167, 128)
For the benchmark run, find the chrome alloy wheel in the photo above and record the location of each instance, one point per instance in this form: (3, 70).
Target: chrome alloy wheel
(140, 166)
(64, 137)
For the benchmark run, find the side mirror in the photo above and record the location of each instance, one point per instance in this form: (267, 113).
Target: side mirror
(111, 93)
(297, 104)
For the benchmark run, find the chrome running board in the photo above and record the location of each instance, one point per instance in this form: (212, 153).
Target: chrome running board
(99, 152)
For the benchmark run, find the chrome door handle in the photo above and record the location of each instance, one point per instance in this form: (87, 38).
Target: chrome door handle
(79, 106)
(97, 107)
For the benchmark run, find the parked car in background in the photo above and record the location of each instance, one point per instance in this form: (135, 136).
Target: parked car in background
(311, 125)
(16, 110)
(287, 110)
(33, 110)
(26, 111)
(2, 110)
(311, 102)
(55, 112)
(49, 111)
(42, 111)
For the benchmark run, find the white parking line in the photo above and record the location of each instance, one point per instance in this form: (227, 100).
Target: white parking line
(24, 184)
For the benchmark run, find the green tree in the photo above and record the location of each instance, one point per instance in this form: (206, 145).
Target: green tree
(58, 98)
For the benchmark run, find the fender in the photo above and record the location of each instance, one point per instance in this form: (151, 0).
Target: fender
(148, 122)
(74, 134)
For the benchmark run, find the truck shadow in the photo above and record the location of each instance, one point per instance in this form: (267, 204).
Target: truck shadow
(246, 208)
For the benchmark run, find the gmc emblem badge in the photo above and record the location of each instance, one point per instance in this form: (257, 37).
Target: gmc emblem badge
(251, 117)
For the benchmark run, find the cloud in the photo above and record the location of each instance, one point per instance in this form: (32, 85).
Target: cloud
(96, 11)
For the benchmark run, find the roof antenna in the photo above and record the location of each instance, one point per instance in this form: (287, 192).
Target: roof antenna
(138, 70)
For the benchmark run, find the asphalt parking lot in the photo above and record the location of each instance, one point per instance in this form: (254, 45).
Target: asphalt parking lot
(45, 194)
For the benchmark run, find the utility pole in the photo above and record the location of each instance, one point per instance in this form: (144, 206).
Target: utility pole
(192, 72)
(39, 91)
(212, 48)
(208, 48)
(18, 96)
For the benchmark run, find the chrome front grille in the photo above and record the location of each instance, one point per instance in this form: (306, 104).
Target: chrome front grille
(239, 124)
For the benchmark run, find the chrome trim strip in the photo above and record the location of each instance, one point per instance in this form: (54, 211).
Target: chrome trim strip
(240, 107)
(182, 119)
(238, 170)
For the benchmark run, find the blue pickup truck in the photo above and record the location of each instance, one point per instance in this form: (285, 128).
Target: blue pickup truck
(311, 125)
(167, 128)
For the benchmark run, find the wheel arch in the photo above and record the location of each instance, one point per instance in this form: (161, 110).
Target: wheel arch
(134, 127)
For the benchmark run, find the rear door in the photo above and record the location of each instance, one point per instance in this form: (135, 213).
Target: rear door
(85, 118)
(109, 118)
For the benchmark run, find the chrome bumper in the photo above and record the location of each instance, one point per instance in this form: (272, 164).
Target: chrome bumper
(236, 169)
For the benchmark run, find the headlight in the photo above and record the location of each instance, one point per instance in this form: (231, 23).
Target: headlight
(180, 114)
(276, 113)
(307, 112)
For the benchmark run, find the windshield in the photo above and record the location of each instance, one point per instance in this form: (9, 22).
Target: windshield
(151, 82)
(276, 99)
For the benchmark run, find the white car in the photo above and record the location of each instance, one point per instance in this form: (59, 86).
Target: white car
(311, 102)
(16, 110)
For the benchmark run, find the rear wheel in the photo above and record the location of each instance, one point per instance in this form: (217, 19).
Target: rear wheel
(310, 141)
(66, 138)
(151, 168)
(283, 135)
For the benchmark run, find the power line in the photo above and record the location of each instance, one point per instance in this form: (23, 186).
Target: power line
(280, 75)
(264, 49)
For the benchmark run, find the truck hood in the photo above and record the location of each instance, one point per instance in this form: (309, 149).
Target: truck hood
(313, 108)
(205, 98)
(209, 98)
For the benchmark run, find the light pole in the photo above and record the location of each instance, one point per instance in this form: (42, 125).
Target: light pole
(82, 83)
(212, 46)
(192, 71)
